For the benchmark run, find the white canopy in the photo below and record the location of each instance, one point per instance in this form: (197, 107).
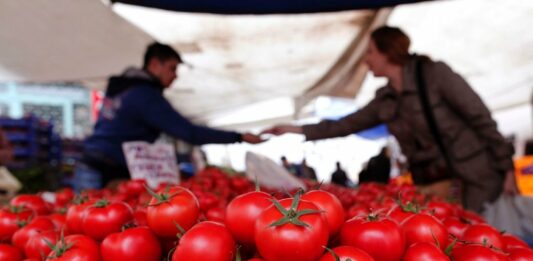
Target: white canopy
(240, 65)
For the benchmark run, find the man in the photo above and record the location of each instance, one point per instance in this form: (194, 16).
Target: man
(134, 109)
(378, 168)
(307, 171)
(339, 176)
(289, 166)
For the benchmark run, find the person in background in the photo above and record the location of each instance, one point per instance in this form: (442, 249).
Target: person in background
(339, 176)
(378, 168)
(134, 109)
(289, 166)
(465, 144)
(307, 171)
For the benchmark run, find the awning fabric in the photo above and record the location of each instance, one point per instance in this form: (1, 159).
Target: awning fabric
(265, 6)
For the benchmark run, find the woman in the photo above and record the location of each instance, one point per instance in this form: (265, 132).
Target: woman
(473, 149)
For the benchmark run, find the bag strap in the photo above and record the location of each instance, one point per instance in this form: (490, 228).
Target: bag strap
(430, 117)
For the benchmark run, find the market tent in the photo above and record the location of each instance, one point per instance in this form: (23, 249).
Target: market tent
(240, 65)
(65, 41)
(265, 6)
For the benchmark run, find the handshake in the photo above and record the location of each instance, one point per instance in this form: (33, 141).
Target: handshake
(275, 130)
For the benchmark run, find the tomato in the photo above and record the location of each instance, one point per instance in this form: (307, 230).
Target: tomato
(380, 237)
(216, 214)
(132, 188)
(10, 253)
(346, 253)
(332, 207)
(400, 213)
(134, 244)
(511, 241)
(206, 241)
(172, 206)
(483, 234)
(32, 202)
(471, 217)
(36, 226)
(104, 218)
(358, 211)
(75, 216)
(76, 248)
(207, 201)
(424, 228)
(423, 251)
(11, 219)
(291, 229)
(240, 183)
(37, 245)
(59, 220)
(455, 226)
(470, 252)
(64, 196)
(441, 210)
(520, 254)
(242, 212)
(139, 217)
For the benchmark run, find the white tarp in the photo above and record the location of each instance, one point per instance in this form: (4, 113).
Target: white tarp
(240, 62)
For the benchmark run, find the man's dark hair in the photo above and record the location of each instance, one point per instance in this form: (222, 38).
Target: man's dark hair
(162, 52)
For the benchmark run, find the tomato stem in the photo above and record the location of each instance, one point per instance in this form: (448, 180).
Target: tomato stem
(293, 214)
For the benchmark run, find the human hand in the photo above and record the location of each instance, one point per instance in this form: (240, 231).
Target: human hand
(282, 129)
(252, 138)
(509, 184)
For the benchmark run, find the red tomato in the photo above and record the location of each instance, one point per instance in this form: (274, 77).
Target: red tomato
(32, 202)
(400, 213)
(76, 248)
(36, 226)
(134, 244)
(206, 241)
(358, 211)
(380, 238)
(139, 217)
(104, 218)
(11, 219)
(59, 220)
(216, 214)
(240, 183)
(75, 216)
(424, 228)
(176, 205)
(441, 210)
(332, 207)
(476, 252)
(300, 238)
(242, 212)
(207, 201)
(37, 245)
(132, 188)
(64, 196)
(455, 226)
(10, 253)
(520, 254)
(483, 234)
(511, 241)
(472, 217)
(423, 251)
(346, 253)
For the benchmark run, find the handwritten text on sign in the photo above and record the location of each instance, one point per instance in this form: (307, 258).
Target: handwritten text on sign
(155, 163)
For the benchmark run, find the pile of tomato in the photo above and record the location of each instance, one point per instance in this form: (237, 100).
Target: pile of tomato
(217, 217)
